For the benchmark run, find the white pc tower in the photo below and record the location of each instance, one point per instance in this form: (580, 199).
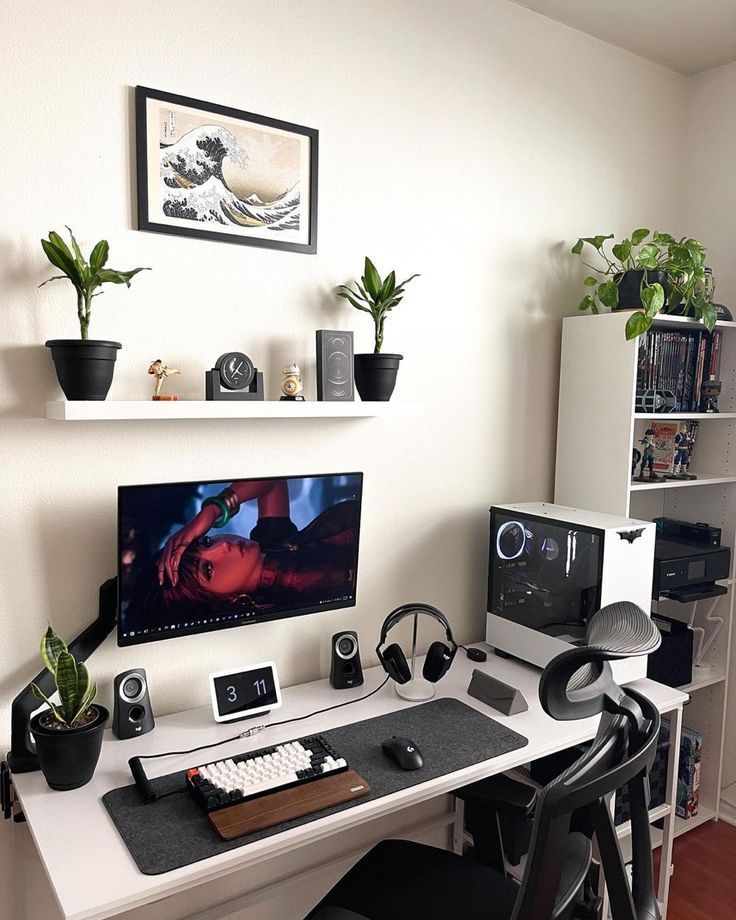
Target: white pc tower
(550, 568)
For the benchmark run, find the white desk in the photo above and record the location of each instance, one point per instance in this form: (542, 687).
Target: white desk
(76, 839)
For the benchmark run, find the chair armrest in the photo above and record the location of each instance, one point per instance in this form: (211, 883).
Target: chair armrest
(501, 793)
(577, 859)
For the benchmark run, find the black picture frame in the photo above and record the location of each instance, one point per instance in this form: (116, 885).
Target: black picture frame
(147, 221)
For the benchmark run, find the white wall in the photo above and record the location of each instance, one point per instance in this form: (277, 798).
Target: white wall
(711, 209)
(470, 141)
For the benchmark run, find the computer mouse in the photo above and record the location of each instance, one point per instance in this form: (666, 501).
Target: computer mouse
(403, 752)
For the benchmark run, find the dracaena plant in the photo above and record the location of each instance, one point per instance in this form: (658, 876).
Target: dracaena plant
(76, 691)
(375, 296)
(682, 261)
(86, 275)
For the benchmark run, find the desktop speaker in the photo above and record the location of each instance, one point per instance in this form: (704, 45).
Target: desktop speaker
(334, 366)
(132, 712)
(345, 669)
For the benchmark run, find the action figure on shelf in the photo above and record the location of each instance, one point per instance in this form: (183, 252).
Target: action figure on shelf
(709, 394)
(684, 443)
(647, 458)
(635, 458)
(161, 371)
(291, 385)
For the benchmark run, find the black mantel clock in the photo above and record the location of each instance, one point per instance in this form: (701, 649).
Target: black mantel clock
(234, 376)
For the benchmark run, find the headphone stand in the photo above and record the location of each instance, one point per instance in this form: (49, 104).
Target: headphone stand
(417, 689)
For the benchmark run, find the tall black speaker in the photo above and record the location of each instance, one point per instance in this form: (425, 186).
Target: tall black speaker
(345, 669)
(334, 366)
(132, 715)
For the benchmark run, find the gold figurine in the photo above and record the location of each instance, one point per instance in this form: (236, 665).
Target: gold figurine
(161, 371)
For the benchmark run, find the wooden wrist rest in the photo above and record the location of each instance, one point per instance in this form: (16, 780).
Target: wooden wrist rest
(287, 804)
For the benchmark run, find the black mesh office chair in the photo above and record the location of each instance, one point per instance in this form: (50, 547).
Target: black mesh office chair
(402, 880)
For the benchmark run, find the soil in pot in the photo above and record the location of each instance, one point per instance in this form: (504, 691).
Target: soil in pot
(629, 287)
(84, 367)
(68, 756)
(375, 376)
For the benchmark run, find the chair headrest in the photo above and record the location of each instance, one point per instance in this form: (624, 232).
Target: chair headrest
(579, 682)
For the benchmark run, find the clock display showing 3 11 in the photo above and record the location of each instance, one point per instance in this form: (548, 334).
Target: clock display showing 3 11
(237, 694)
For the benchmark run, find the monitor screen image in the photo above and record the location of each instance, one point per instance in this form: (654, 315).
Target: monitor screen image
(544, 574)
(200, 556)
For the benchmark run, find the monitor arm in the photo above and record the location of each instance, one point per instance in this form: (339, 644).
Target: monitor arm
(22, 757)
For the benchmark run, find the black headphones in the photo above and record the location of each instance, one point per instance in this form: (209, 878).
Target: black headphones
(439, 656)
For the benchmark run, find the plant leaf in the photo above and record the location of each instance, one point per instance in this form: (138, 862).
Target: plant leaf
(98, 257)
(597, 241)
(79, 260)
(58, 258)
(387, 288)
(371, 279)
(637, 324)
(709, 315)
(66, 682)
(51, 647)
(85, 702)
(403, 284)
(648, 256)
(577, 248)
(55, 278)
(590, 281)
(114, 276)
(638, 236)
(587, 303)
(353, 301)
(82, 684)
(622, 250)
(40, 695)
(652, 298)
(608, 293)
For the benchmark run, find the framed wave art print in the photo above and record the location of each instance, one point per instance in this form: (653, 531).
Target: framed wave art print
(209, 171)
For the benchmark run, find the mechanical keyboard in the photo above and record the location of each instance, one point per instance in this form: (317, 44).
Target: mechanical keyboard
(244, 777)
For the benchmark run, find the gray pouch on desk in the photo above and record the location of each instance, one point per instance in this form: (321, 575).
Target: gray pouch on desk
(496, 693)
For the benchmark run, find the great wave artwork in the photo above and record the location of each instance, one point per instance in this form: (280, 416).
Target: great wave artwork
(217, 173)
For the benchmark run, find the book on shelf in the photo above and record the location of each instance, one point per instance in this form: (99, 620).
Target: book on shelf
(679, 362)
(664, 445)
(688, 774)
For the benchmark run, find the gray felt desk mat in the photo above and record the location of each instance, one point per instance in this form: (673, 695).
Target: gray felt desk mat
(175, 831)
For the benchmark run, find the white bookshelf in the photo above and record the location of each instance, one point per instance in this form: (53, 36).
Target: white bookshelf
(598, 428)
(150, 410)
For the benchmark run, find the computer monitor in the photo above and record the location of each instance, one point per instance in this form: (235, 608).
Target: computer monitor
(201, 556)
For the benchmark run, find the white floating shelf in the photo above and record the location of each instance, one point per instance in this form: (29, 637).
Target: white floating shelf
(119, 410)
(682, 416)
(703, 480)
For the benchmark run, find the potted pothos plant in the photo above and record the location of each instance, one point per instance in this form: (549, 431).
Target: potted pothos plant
(68, 734)
(84, 366)
(375, 373)
(648, 272)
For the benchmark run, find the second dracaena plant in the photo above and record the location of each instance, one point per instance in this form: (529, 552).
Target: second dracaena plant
(76, 691)
(375, 296)
(85, 275)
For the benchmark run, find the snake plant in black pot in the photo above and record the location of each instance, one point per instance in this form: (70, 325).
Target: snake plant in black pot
(68, 734)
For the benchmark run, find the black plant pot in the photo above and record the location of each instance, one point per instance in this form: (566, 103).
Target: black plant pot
(375, 376)
(629, 287)
(68, 757)
(84, 367)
